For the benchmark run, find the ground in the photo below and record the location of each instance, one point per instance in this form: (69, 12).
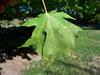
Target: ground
(86, 62)
(16, 65)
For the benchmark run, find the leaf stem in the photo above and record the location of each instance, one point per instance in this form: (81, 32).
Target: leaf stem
(44, 6)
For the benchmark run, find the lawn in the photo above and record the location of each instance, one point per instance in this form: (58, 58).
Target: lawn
(87, 47)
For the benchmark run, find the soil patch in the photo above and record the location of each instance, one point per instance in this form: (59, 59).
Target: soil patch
(15, 63)
(95, 65)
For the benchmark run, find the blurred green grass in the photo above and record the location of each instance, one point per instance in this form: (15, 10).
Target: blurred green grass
(87, 46)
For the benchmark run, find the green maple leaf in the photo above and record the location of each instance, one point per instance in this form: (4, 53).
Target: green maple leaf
(53, 36)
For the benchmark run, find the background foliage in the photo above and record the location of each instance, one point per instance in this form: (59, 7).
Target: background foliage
(82, 10)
